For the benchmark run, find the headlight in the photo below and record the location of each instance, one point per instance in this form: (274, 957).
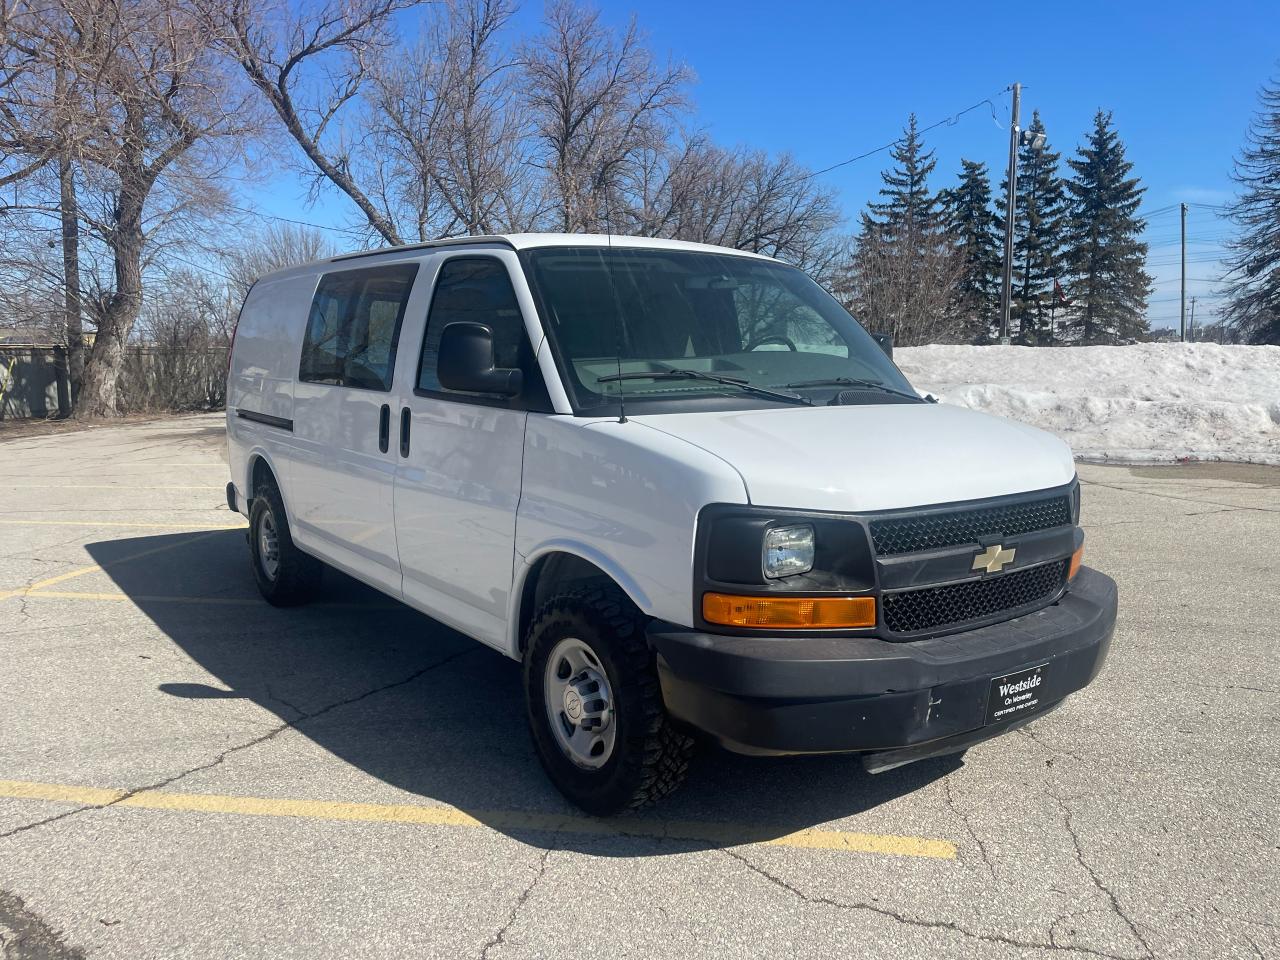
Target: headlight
(788, 550)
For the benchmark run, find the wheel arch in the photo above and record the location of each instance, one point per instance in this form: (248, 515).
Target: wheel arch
(554, 567)
(258, 467)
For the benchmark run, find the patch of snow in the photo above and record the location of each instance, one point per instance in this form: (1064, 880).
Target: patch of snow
(1146, 402)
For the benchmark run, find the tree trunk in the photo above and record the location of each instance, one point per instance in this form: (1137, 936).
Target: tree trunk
(98, 393)
(71, 274)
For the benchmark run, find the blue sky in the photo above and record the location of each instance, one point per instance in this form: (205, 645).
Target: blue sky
(829, 80)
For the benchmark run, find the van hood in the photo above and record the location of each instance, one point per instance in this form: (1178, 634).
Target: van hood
(870, 458)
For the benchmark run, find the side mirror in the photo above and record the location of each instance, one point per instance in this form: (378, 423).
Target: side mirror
(466, 362)
(885, 342)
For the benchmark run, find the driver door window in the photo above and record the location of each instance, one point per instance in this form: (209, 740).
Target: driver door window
(476, 290)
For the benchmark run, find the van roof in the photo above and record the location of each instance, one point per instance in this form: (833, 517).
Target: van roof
(524, 241)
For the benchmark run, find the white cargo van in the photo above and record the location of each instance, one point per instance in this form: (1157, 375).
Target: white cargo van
(679, 484)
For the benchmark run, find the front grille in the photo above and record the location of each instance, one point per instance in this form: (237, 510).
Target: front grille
(933, 608)
(929, 531)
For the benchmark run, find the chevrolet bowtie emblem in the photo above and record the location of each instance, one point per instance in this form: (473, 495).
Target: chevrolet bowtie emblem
(994, 558)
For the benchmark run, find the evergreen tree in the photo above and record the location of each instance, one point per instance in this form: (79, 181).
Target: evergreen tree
(1109, 285)
(973, 226)
(908, 208)
(1039, 238)
(903, 275)
(1253, 298)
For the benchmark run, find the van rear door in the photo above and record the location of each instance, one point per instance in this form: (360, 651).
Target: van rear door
(344, 452)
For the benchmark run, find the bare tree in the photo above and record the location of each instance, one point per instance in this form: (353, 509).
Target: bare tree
(905, 286)
(572, 129)
(37, 121)
(600, 102)
(179, 360)
(449, 146)
(143, 99)
(32, 102)
(30, 280)
(309, 65)
(278, 246)
(738, 198)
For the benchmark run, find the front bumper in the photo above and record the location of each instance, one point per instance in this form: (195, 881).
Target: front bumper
(770, 695)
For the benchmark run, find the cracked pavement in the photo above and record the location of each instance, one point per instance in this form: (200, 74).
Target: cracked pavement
(1138, 821)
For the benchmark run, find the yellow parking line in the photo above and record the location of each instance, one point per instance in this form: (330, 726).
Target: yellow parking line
(727, 834)
(41, 585)
(118, 523)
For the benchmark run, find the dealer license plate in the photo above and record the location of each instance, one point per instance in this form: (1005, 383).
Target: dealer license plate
(1016, 694)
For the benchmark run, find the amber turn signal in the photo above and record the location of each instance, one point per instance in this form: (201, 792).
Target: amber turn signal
(1075, 562)
(789, 613)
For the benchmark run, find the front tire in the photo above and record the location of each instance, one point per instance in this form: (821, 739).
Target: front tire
(286, 576)
(595, 706)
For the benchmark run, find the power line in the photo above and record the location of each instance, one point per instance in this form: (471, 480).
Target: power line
(1170, 261)
(352, 231)
(946, 121)
(169, 254)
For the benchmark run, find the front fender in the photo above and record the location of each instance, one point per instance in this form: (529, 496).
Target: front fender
(604, 562)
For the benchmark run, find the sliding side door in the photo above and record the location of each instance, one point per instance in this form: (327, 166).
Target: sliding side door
(344, 422)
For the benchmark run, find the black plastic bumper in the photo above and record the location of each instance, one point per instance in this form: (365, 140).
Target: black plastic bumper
(837, 694)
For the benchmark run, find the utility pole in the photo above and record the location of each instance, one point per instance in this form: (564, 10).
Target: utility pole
(1193, 319)
(1007, 289)
(1183, 301)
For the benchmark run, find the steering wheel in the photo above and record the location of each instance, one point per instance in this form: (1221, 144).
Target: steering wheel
(771, 338)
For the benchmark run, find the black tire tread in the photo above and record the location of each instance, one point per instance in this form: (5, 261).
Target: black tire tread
(299, 574)
(661, 758)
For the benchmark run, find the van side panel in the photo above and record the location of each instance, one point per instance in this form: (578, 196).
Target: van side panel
(264, 363)
(623, 496)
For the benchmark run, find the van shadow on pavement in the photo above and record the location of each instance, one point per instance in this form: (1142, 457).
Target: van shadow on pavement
(421, 707)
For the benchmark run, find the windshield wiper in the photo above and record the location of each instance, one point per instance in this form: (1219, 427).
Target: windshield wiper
(854, 382)
(711, 377)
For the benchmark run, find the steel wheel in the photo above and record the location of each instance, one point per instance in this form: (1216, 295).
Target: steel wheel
(269, 545)
(580, 704)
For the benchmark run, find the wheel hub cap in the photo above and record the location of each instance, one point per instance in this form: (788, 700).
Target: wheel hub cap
(580, 703)
(268, 546)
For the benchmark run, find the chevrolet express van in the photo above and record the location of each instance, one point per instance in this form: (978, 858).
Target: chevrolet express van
(679, 484)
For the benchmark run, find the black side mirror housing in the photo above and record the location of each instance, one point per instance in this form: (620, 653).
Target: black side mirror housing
(466, 362)
(885, 341)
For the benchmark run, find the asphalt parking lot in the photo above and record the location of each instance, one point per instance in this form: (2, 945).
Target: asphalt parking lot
(188, 772)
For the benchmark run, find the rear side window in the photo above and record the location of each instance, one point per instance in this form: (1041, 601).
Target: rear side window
(354, 326)
(475, 289)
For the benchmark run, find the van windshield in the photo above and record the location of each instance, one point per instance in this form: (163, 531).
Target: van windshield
(631, 311)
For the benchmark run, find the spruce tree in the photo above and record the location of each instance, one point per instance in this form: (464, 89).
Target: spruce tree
(1039, 238)
(973, 226)
(1105, 257)
(905, 269)
(908, 208)
(1253, 297)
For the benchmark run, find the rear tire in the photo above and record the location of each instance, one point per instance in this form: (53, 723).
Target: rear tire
(595, 706)
(286, 576)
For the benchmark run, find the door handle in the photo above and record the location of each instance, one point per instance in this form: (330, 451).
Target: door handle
(384, 428)
(405, 419)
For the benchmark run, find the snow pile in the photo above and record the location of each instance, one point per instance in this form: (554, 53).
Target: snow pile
(1148, 402)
